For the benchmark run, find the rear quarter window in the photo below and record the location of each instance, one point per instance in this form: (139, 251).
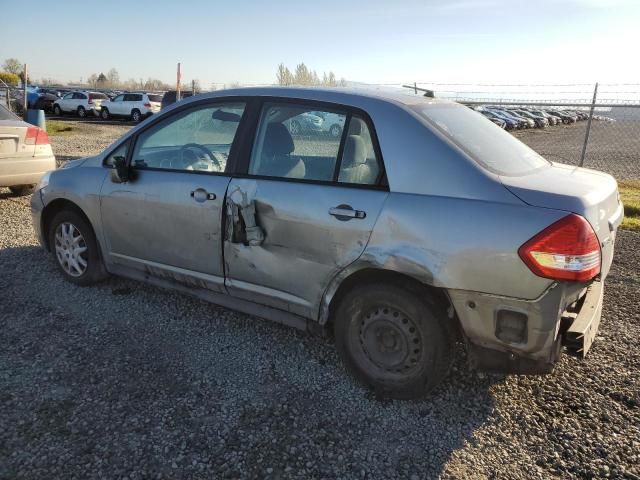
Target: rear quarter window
(489, 145)
(6, 114)
(155, 98)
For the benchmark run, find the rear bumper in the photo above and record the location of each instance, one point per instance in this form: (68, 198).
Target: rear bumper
(24, 171)
(567, 314)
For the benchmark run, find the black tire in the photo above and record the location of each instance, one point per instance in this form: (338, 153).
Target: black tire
(82, 113)
(104, 114)
(22, 190)
(335, 131)
(136, 116)
(94, 271)
(57, 110)
(392, 340)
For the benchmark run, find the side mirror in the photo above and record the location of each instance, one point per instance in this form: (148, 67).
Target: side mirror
(120, 172)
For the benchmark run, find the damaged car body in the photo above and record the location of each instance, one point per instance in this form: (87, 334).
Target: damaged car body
(420, 223)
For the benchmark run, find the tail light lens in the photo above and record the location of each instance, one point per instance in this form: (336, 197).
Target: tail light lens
(36, 136)
(147, 105)
(90, 101)
(566, 250)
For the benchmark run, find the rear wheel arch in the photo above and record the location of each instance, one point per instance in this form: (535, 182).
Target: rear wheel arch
(435, 296)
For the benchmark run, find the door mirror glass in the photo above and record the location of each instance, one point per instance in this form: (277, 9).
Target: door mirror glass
(120, 172)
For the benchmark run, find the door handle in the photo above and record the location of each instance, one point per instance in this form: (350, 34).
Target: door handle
(201, 195)
(346, 212)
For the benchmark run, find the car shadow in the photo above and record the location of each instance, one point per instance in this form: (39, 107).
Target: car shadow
(123, 361)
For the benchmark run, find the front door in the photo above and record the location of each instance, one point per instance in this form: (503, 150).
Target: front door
(167, 221)
(305, 210)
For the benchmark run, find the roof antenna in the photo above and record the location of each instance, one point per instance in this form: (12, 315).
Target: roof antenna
(427, 92)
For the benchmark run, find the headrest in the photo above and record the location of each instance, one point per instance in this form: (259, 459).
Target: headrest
(355, 152)
(278, 140)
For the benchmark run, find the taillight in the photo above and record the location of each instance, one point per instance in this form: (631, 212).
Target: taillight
(147, 105)
(566, 250)
(36, 136)
(90, 102)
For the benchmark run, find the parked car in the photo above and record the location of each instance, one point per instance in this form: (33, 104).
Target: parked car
(564, 116)
(25, 153)
(504, 115)
(307, 122)
(332, 123)
(502, 123)
(170, 97)
(135, 106)
(422, 225)
(539, 120)
(80, 103)
(44, 101)
(553, 120)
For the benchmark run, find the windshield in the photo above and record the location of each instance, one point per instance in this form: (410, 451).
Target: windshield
(489, 145)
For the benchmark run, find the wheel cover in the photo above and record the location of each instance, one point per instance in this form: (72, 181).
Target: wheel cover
(390, 340)
(71, 249)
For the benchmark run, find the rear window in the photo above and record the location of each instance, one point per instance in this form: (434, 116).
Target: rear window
(6, 114)
(97, 96)
(489, 145)
(155, 98)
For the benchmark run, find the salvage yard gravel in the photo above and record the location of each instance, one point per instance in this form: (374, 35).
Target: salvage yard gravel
(125, 380)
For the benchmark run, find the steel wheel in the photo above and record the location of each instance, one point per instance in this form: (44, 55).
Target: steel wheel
(390, 340)
(71, 249)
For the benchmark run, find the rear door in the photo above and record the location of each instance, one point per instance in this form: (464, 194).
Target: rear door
(167, 221)
(304, 208)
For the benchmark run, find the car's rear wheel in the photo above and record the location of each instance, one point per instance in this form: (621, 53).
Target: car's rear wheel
(392, 340)
(21, 190)
(82, 113)
(335, 131)
(104, 114)
(57, 110)
(75, 249)
(136, 116)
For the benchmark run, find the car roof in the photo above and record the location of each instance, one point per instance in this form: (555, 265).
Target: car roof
(340, 95)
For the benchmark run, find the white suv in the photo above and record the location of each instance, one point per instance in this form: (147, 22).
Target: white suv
(81, 103)
(132, 105)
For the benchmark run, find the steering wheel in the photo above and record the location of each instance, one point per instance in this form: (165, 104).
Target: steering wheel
(186, 148)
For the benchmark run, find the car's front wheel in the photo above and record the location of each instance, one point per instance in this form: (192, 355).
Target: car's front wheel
(392, 340)
(75, 249)
(104, 114)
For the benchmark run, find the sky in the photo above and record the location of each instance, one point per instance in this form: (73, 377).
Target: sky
(370, 41)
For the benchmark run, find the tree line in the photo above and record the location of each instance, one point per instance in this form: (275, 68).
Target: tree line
(302, 75)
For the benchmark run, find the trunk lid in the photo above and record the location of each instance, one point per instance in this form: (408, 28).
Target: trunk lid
(589, 193)
(12, 135)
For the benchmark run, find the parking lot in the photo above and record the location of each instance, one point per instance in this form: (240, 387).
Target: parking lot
(124, 380)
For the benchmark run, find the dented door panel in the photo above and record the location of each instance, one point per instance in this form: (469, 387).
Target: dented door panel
(295, 246)
(156, 225)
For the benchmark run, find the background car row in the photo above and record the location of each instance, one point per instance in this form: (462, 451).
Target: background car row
(511, 118)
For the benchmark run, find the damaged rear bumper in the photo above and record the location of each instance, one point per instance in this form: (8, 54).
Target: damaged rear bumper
(526, 336)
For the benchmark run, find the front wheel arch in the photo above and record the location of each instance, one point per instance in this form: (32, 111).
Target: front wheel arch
(52, 209)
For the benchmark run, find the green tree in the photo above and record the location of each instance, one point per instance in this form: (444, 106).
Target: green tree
(102, 80)
(9, 78)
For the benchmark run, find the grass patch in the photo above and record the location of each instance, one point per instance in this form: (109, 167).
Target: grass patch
(58, 128)
(630, 194)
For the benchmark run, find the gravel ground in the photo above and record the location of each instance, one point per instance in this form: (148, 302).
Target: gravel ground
(124, 380)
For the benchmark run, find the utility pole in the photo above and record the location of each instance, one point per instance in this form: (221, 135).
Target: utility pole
(26, 80)
(178, 75)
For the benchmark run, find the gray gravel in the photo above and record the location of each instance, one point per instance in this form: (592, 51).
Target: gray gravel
(124, 380)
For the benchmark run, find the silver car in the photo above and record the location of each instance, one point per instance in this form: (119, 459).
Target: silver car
(25, 153)
(422, 225)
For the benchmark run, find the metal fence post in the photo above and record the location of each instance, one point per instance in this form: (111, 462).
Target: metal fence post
(586, 137)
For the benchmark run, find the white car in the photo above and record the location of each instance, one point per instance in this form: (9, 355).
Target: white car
(332, 123)
(80, 103)
(132, 105)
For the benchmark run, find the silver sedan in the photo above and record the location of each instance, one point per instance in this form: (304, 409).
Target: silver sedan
(25, 153)
(420, 225)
